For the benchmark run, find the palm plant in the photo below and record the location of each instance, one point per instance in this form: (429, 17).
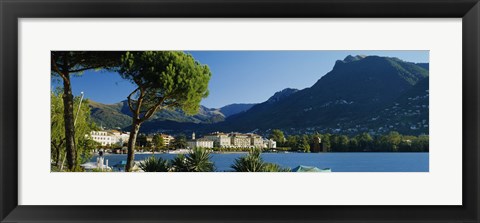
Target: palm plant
(253, 162)
(273, 167)
(179, 163)
(153, 164)
(198, 160)
(249, 163)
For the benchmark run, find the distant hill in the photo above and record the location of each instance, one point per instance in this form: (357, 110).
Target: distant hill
(360, 94)
(109, 115)
(280, 95)
(233, 109)
(118, 115)
(356, 87)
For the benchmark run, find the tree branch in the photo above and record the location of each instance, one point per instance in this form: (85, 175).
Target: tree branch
(84, 69)
(57, 70)
(130, 100)
(152, 110)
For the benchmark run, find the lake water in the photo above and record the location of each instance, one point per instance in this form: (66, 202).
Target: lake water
(338, 162)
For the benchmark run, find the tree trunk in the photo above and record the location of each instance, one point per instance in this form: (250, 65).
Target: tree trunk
(131, 145)
(69, 123)
(57, 158)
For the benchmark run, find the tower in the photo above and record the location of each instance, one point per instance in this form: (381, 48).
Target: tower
(193, 136)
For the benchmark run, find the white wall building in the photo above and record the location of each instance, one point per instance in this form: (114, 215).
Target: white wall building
(236, 140)
(102, 137)
(269, 144)
(200, 143)
(110, 137)
(221, 140)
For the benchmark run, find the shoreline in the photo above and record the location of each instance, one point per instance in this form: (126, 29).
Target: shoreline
(245, 152)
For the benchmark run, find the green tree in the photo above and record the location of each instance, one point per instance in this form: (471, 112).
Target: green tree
(83, 126)
(326, 140)
(343, 143)
(303, 144)
(292, 142)
(158, 142)
(365, 141)
(180, 142)
(353, 145)
(67, 63)
(164, 80)
(278, 136)
(421, 144)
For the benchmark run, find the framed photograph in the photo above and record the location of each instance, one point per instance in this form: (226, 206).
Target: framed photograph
(228, 111)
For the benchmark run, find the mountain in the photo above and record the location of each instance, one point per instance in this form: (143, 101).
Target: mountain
(356, 87)
(409, 113)
(280, 95)
(118, 115)
(109, 115)
(360, 94)
(233, 109)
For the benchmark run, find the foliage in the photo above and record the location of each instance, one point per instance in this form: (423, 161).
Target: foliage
(253, 162)
(158, 142)
(180, 142)
(278, 136)
(363, 142)
(273, 167)
(198, 160)
(153, 164)
(179, 163)
(249, 163)
(83, 127)
(304, 144)
(100, 170)
(164, 80)
(64, 64)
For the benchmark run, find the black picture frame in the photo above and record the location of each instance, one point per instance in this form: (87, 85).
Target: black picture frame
(11, 11)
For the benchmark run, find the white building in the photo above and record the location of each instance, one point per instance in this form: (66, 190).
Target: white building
(120, 138)
(236, 140)
(102, 137)
(110, 137)
(221, 140)
(269, 144)
(200, 143)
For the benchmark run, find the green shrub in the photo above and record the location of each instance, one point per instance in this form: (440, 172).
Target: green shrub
(153, 164)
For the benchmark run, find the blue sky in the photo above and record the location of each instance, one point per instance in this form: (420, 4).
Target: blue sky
(239, 76)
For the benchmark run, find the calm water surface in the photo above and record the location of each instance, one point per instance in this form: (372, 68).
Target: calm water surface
(338, 162)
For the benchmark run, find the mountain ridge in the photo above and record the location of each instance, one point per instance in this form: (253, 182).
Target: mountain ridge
(344, 100)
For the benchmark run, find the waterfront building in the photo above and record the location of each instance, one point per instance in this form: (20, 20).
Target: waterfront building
(200, 143)
(256, 140)
(110, 137)
(240, 140)
(120, 138)
(167, 139)
(236, 140)
(269, 144)
(102, 137)
(220, 139)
